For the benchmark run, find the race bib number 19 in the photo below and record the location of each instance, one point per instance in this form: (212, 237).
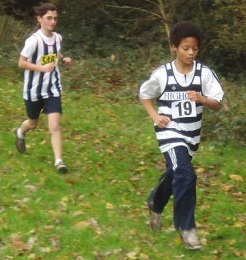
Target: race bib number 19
(49, 58)
(183, 108)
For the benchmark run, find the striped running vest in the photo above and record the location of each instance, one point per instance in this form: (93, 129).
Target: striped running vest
(38, 84)
(185, 115)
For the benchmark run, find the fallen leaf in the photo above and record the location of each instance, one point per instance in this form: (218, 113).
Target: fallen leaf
(237, 194)
(140, 169)
(31, 187)
(239, 224)
(179, 256)
(143, 257)
(133, 231)
(45, 249)
(30, 243)
(232, 242)
(18, 244)
(49, 227)
(225, 187)
(109, 206)
(78, 213)
(235, 177)
(43, 142)
(112, 57)
(82, 224)
(132, 255)
(200, 170)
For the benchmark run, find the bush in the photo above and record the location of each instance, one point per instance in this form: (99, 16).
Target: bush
(230, 123)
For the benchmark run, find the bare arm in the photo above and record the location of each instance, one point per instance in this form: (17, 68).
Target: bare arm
(26, 65)
(210, 103)
(160, 120)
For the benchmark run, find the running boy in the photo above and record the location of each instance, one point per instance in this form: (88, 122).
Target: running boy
(42, 85)
(181, 88)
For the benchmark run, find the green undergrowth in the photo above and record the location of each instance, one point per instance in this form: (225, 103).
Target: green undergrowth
(98, 210)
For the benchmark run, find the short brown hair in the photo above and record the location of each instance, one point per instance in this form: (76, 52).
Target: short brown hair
(44, 8)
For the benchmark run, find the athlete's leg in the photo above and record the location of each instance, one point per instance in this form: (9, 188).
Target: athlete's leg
(56, 136)
(33, 110)
(28, 125)
(184, 189)
(159, 196)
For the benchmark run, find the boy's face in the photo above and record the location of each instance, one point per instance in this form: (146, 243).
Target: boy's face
(187, 50)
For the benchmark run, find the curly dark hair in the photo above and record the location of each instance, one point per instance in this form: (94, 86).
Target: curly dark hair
(182, 30)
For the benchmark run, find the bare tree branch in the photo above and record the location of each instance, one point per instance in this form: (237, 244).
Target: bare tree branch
(163, 10)
(126, 7)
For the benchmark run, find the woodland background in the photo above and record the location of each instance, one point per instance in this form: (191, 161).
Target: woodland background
(98, 210)
(116, 44)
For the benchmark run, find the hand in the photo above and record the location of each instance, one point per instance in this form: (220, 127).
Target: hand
(47, 67)
(161, 121)
(194, 96)
(67, 60)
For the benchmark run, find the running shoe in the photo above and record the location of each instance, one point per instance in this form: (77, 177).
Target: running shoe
(20, 143)
(61, 167)
(190, 239)
(155, 221)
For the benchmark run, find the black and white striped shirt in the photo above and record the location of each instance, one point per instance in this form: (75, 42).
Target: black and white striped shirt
(169, 88)
(40, 49)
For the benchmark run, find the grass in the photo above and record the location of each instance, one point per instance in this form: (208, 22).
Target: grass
(98, 210)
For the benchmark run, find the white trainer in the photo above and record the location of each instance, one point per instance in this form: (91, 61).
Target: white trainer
(190, 239)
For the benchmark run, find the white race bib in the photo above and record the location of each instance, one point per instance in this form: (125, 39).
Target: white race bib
(183, 108)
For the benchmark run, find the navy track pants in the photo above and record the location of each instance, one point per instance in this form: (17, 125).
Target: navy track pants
(179, 180)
